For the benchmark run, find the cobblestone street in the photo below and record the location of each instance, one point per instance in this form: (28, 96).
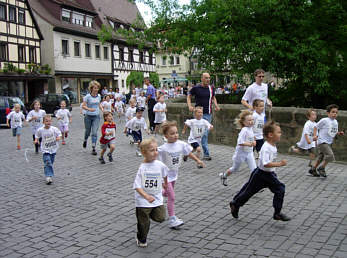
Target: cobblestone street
(89, 209)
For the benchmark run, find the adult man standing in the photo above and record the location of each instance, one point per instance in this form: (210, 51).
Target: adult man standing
(151, 94)
(257, 90)
(204, 96)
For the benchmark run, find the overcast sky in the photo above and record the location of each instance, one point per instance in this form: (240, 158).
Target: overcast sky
(146, 11)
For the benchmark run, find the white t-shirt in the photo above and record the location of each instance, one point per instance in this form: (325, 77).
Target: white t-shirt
(255, 91)
(38, 122)
(138, 91)
(141, 101)
(258, 125)
(118, 95)
(171, 154)
(119, 106)
(136, 124)
(246, 135)
(197, 129)
(131, 112)
(107, 106)
(159, 116)
(64, 115)
(268, 154)
(327, 130)
(308, 129)
(49, 143)
(150, 178)
(16, 119)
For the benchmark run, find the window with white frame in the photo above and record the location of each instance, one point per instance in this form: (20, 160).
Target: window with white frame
(3, 15)
(87, 49)
(77, 48)
(21, 16)
(64, 47)
(13, 14)
(89, 21)
(105, 52)
(97, 51)
(177, 60)
(3, 51)
(163, 60)
(77, 18)
(66, 15)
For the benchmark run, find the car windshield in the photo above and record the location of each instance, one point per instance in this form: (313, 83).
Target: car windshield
(15, 100)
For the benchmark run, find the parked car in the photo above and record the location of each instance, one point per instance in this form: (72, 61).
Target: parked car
(6, 106)
(51, 102)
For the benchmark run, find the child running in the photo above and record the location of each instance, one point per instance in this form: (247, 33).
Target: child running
(134, 126)
(149, 181)
(171, 154)
(264, 176)
(107, 104)
(35, 117)
(108, 133)
(64, 118)
(159, 110)
(119, 107)
(259, 118)
(308, 138)
(16, 119)
(198, 127)
(141, 100)
(244, 147)
(50, 136)
(327, 128)
(131, 111)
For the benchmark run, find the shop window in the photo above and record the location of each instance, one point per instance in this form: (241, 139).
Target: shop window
(97, 51)
(77, 48)
(13, 16)
(87, 48)
(21, 16)
(65, 47)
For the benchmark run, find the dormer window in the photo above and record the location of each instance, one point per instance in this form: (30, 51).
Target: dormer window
(89, 21)
(66, 15)
(77, 18)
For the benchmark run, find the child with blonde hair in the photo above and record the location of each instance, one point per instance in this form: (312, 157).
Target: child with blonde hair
(35, 117)
(244, 147)
(16, 118)
(107, 104)
(171, 154)
(64, 118)
(150, 179)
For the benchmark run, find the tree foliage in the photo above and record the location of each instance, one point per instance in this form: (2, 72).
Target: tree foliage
(301, 41)
(135, 79)
(154, 79)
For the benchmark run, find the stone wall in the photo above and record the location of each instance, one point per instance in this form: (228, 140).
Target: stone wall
(291, 120)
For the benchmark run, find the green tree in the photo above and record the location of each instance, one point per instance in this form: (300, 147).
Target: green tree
(301, 41)
(135, 79)
(154, 78)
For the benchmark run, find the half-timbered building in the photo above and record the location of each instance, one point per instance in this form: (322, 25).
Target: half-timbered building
(20, 47)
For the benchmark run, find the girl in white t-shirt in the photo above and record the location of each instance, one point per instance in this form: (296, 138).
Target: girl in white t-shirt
(16, 117)
(64, 118)
(119, 107)
(159, 110)
(244, 147)
(107, 104)
(171, 154)
(149, 181)
(141, 100)
(308, 141)
(35, 118)
(50, 136)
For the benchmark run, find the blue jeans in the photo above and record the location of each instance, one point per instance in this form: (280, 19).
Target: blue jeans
(48, 160)
(91, 123)
(204, 139)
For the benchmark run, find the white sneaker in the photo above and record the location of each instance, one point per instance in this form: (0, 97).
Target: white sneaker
(49, 180)
(138, 153)
(223, 179)
(175, 222)
(139, 244)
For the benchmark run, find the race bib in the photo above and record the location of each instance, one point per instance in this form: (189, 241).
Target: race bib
(198, 132)
(49, 142)
(110, 130)
(151, 182)
(259, 124)
(173, 160)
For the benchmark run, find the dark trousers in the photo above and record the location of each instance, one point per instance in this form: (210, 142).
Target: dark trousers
(258, 180)
(258, 145)
(143, 216)
(151, 114)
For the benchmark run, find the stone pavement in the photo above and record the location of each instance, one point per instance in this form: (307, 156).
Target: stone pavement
(89, 209)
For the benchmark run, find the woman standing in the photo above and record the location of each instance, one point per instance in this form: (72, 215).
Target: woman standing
(91, 103)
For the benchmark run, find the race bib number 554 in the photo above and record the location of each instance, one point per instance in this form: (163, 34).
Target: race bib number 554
(151, 182)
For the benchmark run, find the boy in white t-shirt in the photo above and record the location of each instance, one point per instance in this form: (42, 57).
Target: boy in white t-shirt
(141, 100)
(327, 130)
(35, 117)
(198, 127)
(119, 107)
(49, 145)
(64, 118)
(264, 176)
(259, 118)
(16, 117)
(131, 111)
(308, 141)
(159, 110)
(150, 179)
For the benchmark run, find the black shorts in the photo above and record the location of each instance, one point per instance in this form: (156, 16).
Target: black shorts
(195, 145)
(137, 136)
(259, 144)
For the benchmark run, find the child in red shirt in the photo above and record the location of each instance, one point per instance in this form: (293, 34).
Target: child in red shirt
(108, 131)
